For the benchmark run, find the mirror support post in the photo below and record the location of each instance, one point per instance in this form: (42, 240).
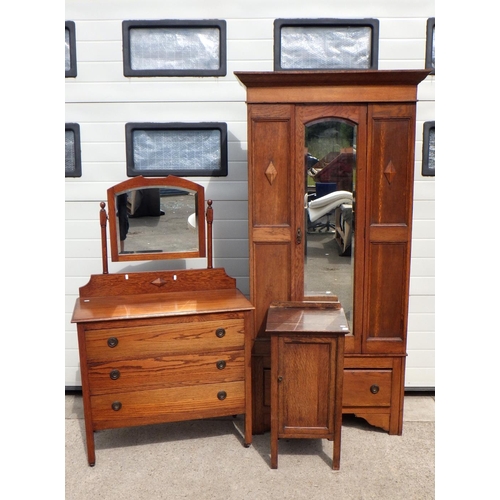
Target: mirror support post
(104, 244)
(210, 219)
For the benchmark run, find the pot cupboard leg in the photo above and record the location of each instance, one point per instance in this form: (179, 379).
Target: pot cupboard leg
(336, 452)
(274, 403)
(337, 433)
(274, 450)
(248, 387)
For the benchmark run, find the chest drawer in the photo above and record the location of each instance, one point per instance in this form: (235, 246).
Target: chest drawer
(161, 339)
(367, 388)
(167, 404)
(166, 371)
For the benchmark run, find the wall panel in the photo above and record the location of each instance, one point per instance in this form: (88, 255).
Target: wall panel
(102, 100)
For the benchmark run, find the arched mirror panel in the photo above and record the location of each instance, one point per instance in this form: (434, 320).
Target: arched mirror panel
(156, 218)
(330, 174)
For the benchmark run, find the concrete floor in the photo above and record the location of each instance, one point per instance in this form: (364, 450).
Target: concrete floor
(206, 459)
(326, 272)
(166, 233)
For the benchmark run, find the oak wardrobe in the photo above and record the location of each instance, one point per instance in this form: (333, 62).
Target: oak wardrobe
(311, 136)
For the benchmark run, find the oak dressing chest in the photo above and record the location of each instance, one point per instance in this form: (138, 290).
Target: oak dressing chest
(162, 346)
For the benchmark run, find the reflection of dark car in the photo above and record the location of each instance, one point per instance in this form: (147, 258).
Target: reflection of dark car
(144, 202)
(337, 170)
(310, 161)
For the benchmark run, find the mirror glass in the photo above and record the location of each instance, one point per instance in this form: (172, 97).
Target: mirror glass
(156, 219)
(330, 173)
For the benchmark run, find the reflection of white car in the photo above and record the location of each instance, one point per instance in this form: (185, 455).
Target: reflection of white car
(192, 221)
(340, 203)
(343, 228)
(321, 206)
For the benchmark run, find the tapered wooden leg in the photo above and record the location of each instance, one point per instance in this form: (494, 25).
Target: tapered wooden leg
(274, 450)
(248, 391)
(248, 429)
(336, 454)
(89, 429)
(337, 432)
(337, 415)
(90, 446)
(274, 403)
(274, 427)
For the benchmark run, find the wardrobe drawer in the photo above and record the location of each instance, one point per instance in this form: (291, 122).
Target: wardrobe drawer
(167, 404)
(367, 388)
(166, 371)
(169, 338)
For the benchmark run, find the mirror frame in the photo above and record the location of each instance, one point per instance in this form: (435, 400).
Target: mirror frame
(141, 182)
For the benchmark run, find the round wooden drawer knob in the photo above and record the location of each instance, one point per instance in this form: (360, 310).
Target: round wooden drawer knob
(116, 405)
(112, 342)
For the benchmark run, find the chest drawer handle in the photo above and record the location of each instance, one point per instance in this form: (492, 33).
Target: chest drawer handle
(374, 389)
(114, 374)
(220, 332)
(221, 364)
(221, 395)
(112, 342)
(116, 405)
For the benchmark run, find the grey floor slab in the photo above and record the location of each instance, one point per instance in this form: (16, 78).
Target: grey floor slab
(206, 459)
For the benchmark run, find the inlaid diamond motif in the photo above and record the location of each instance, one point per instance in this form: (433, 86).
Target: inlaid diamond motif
(271, 173)
(389, 172)
(159, 282)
